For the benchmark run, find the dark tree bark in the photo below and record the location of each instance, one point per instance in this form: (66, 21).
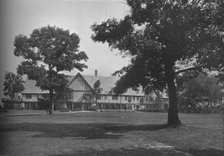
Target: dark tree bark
(173, 119)
(51, 104)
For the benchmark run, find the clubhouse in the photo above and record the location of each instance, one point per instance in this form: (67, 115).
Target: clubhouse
(80, 96)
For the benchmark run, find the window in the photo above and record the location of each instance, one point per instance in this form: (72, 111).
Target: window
(126, 98)
(87, 96)
(105, 97)
(114, 97)
(82, 87)
(141, 99)
(129, 99)
(147, 99)
(133, 98)
(137, 98)
(28, 96)
(70, 96)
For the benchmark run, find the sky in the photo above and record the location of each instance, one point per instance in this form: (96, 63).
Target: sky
(77, 16)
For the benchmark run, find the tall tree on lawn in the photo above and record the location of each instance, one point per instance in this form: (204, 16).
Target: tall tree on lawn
(48, 52)
(97, 90)
(13, 85)
(164, 38)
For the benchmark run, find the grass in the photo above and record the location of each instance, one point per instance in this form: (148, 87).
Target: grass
(111, 133)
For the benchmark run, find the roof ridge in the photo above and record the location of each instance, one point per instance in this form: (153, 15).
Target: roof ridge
(69, 75)
(98, 76)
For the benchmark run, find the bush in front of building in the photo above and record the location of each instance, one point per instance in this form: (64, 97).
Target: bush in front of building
(187, 105)
(43, 103)
(9, 104)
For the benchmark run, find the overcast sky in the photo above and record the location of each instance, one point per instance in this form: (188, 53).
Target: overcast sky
(23, 16)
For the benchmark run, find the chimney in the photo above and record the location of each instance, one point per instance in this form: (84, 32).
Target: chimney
(95, 72)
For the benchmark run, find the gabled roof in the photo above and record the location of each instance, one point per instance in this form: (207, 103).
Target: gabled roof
(107, 83)
(31, 88)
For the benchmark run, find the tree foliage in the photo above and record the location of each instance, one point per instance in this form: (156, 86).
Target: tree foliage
(195, 89)
(48, 52)
(202, 86)
(13, 85)
(96, 89)
(164, 38)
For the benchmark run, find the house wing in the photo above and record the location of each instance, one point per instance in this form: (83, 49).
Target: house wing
(31, 88)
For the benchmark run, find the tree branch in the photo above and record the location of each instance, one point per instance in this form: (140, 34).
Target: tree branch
(187, 69)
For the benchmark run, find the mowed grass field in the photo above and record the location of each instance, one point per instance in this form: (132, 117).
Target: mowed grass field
(111, 134)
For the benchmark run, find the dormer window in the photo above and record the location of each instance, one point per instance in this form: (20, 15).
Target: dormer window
(28, 96)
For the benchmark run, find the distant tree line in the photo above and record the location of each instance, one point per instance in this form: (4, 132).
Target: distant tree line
(199, 93)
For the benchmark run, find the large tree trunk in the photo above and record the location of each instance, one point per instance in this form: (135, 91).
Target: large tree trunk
(173, 119)
(51, 106)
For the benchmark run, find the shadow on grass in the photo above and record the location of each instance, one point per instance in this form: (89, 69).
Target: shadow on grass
(87, 131)
(205, 152)
(144, 152)
(121, 152)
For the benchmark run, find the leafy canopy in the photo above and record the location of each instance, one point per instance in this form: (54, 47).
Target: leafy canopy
(13, 85)
(97, 89)
(201, 86)
(164, 35)
(48, 52)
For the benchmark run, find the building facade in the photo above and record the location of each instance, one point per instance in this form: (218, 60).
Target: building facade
(81, 96)
(31, 95)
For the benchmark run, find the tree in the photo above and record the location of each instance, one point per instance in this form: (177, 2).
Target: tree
(13, 85)
(163, 38)
(207, 86)
(199, 87)
(96, 90)
(48, 52)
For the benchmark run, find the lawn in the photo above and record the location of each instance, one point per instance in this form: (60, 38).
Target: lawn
(111, 133)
